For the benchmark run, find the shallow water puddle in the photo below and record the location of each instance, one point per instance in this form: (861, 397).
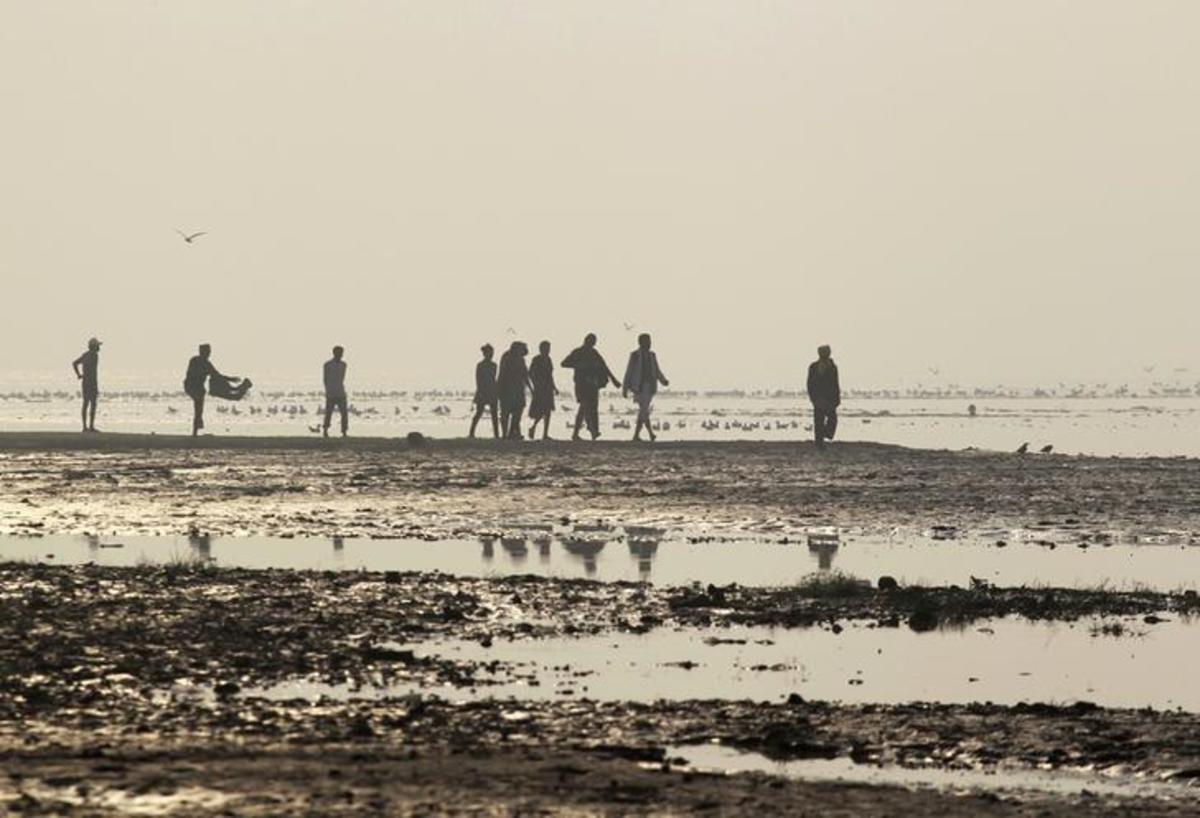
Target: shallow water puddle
(46, 799)
(1005, 661)
(916, 559)
(718, 758)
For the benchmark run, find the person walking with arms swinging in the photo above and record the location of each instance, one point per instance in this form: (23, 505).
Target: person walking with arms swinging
(642, 378)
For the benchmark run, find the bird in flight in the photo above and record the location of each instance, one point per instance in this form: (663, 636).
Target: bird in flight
(191, 237)
(628, 326)
(511, 331)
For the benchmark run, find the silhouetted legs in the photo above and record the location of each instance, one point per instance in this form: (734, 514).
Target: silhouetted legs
(589, 410)
(336, 402)
(479, 410)
(88, 412)
(198, 411)
(824, 424)
(643, 417)
(511, 415)
(545, 420)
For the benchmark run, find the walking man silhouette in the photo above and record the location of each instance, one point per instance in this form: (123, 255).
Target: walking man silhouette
(201, 371)
(642, 377)
(825, 392)
(335, 391)
(591, 375)
(87, 370)
(486, 396)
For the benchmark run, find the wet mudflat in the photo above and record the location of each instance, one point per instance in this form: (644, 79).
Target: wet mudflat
(463, 490)
(169, 683)
(69, 630)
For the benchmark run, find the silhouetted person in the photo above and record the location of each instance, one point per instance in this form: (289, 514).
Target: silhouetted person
(825, 393)
(642, 377)
(541, 375)
(511, 384)
(485, 390)
(335, 391)
(87, 370)
(201, 371)
(591, 375)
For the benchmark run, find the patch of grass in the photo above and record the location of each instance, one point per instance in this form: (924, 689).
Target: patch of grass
(832, 584)
(178, 563)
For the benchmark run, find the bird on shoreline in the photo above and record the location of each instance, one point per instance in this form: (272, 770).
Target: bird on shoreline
(191, 237)
(1024, 447)
(1049, 447)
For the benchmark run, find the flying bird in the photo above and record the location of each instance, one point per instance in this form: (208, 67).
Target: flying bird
(511, 331)
(191, 237)
(628, 326)
(1024, 447)
(1047, 448)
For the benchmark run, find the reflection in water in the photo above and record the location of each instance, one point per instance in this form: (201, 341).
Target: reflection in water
(338, 544)
(516, 548)
(825, 547)
(911, 560)
(201, 545)
(586, 550)
(643, 552)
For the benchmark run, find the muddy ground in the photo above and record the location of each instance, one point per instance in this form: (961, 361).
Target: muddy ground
(133, 689)
(140, 683)
(385, 488)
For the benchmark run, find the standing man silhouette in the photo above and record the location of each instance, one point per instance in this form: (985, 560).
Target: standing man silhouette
(511, 383)
(335, 391)
(591, 375)
(87, 369)
(642, 377)
(541, 375)
(486, 395)
(825, 392)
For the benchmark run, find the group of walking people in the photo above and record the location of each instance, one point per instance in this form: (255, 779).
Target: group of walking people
(501, 390)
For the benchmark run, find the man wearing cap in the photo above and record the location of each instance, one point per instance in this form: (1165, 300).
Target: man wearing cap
(87, 368)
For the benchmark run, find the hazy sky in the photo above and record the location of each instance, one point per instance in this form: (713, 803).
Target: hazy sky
(1009, 191)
